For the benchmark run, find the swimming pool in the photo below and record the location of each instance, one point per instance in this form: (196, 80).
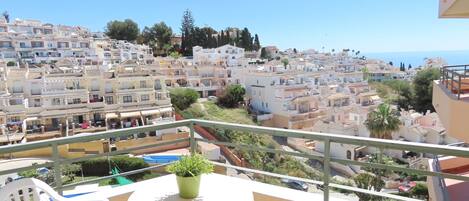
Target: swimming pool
(159, 159)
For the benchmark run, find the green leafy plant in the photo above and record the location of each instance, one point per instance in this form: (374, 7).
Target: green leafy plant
(191, 166)
(182, 98)
(233, 95)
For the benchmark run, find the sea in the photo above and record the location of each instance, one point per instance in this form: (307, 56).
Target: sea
(417, 58)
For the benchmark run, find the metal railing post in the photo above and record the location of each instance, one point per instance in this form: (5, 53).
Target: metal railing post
(327, 168)
(459, 87)
(192, 138)
(446, 79)
(380, 160)
(452, 81)
(57, 169)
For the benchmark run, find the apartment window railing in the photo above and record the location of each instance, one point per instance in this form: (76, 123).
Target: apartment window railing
(326, 158)
(455, 79)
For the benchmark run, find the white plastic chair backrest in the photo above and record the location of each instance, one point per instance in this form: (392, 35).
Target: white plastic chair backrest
(28, 189)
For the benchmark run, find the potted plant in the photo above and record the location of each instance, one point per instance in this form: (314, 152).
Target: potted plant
(188, 171)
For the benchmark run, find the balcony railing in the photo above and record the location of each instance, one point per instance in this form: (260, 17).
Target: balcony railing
(455, 79)
(326, 158)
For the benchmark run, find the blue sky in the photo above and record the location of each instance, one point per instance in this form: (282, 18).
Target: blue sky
(366, 25)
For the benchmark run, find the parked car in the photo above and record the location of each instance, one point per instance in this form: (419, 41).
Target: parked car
(212, 98)
(298, 185)
(407, 186)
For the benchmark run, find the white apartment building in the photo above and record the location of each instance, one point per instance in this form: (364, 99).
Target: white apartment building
(207, 79)
(34, 42)
(110, 52)
(63, 99)
(287, 97)
(226, 55)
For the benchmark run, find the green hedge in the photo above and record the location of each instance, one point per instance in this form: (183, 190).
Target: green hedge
(100, 166)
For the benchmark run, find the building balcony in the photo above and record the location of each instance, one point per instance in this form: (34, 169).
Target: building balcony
(216, 186)
(451, 100)
(133, 89)
(453, 9)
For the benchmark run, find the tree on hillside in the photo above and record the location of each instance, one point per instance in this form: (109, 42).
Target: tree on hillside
(390, 63)
(404, 90)
(158, 37)
(265, 54)
(222, 40)
(410, 66)
(401, 67)
(423, 89)
(285, 62)
(232, 96)
(257, 44)
(227, 38)
(122, 30)
(187, 27)
(366, 73)
(246, 40)
(295, 51)
(163, 35)
(6, 16)
(382, 122)
(211, 41)
(182, 98)
(237, 37)
(369, 182)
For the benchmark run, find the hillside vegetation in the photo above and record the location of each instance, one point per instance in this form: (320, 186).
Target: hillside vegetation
(258, 160)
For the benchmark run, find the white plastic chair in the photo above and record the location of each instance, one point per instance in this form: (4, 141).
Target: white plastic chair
(30, 189)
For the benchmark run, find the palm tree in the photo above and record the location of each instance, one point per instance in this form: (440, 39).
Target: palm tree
(382, 122)
(365, 73)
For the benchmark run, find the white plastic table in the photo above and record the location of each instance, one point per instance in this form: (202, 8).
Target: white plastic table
(217, 187)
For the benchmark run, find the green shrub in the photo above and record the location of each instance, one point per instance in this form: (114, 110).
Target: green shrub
(191, 166)
(182, 98)
(420, 191)
(232, 96)
(100, 166)
(11, 63)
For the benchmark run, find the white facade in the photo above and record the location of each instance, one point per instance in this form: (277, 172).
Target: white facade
(33, 42)
(226, 55)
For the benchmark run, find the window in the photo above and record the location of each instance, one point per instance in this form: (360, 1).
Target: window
(56, 101)
(143, 84)
(145, 97)
(349, 154)
(15, 119)
(127, 99)
(109, 100)
(37, 44)
(37, 102)
(76, 101)
(159, 96)
(16, 101)
(158, 85)
(84, 45)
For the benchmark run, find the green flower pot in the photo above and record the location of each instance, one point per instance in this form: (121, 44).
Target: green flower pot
(188, 186)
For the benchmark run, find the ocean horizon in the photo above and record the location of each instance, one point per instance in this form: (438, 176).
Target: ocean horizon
(416, 59)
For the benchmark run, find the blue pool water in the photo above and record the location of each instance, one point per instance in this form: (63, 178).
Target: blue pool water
(75, 195)
(161, 158)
